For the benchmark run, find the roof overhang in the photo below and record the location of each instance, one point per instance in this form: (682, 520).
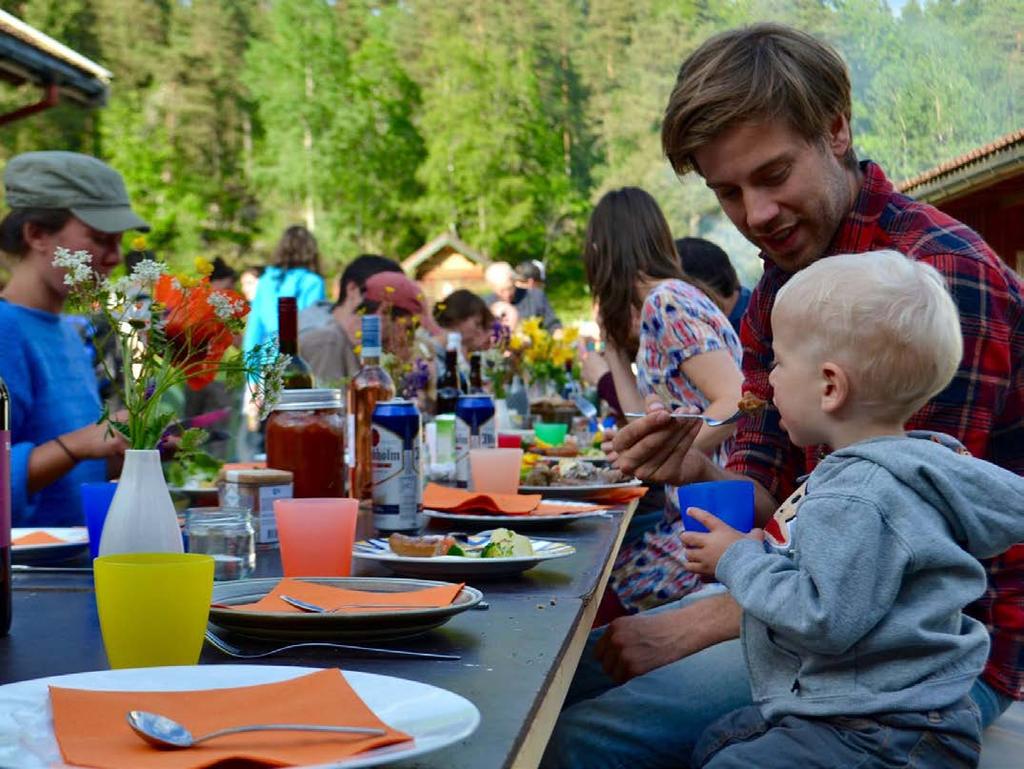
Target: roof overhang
(29, 56)
(980, 168)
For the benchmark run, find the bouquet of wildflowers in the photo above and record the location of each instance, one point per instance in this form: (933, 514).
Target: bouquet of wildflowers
(504, 358)
(407, 353)
(545, 355)
(170, 330)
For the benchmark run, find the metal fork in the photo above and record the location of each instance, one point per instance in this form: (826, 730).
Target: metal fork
(233, 651)
(709, 421)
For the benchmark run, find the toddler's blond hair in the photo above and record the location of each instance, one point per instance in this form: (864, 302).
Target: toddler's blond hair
(888, 320)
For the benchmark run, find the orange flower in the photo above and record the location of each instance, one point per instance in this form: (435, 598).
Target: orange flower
(196, 335)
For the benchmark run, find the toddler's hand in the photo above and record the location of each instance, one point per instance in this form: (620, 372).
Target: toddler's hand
(703, 551)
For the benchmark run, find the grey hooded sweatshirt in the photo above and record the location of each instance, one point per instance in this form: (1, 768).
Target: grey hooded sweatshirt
(854, 606)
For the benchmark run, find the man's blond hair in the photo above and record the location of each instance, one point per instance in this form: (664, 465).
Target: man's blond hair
(888, 320)
(752, 74)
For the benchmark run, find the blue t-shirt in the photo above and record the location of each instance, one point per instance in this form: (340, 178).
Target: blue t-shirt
(54, 391)
(307, 287)
(740, 307)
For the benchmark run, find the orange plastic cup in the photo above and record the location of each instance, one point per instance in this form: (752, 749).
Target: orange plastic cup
(495, 471)
(316, 536)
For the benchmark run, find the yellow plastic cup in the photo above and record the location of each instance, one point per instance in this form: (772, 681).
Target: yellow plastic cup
(316, 535)
(153, 607)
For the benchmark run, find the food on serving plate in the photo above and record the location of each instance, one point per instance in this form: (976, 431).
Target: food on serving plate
(503, 543)
(750, 403)
(507, 544)
(572, 472)
(426, 546)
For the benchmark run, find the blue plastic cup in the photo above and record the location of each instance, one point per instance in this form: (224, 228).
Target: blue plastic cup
(96, 498)
(730, 501)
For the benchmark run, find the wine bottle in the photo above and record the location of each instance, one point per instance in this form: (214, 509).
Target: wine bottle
(448, 386)
(5, 509)
(476, 379)
(298, 375)
(371, 384)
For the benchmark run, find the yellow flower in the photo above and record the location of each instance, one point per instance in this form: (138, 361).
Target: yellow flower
(515, 342)
(389, 289)
(139, 243)
(357, 349)
(531, 327)
(187, 281)
(203, 266)
(570, 335)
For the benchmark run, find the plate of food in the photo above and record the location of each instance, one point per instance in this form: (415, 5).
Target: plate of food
(573, 479)
(497, 553)
(539, 521)
(359, 625)
(432, 716)
(44, 544)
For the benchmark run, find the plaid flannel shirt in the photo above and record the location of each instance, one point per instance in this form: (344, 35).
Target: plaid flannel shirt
(983, 406)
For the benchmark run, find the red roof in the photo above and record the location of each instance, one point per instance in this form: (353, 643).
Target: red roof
(970, 158)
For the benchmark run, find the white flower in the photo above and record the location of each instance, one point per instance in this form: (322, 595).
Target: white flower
(272, 384)
(224, 306)
(121, 287)
(148, 271)
(78, 265)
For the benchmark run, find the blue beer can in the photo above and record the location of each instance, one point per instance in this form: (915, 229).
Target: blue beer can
(474, 429)
(396, 449)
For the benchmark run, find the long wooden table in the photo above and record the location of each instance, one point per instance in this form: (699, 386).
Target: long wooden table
(517, 658)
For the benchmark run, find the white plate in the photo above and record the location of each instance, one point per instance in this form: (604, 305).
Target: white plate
(378, 550)
(578, 491)
(518, 521)
(434, 717)
(76, 541)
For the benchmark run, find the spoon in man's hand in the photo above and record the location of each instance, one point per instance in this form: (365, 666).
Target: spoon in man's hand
(165, 733)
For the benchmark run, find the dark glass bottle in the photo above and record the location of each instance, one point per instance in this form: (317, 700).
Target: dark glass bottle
(448, 386)
(476, 379)
(298, 375)
(5, 509)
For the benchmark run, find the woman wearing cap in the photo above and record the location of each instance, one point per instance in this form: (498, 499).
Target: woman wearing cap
(80, 203)
(295, 272)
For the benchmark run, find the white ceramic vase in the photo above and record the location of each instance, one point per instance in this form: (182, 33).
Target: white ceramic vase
(141, 518)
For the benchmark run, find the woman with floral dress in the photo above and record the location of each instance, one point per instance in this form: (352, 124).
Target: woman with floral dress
(685, 351)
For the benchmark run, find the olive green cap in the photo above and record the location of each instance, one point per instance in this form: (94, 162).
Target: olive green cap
(93, 191)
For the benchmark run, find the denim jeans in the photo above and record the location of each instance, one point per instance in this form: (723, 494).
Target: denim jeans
(653, 720)
(938, 739)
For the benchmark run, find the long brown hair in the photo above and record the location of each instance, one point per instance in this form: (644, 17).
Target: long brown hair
(297, 248)
(628, 241)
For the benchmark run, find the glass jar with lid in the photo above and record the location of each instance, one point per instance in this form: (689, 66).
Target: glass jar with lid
(227, 534)
(306, 434)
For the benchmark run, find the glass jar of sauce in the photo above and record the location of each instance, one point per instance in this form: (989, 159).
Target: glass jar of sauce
(306, 434)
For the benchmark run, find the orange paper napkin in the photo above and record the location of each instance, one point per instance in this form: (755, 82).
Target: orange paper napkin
(92, 731)
(343, 601)
(438, 497)
(38, 538)
(618, 496)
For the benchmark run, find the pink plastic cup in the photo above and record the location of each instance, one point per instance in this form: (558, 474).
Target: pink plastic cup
(316, 536)
(495, 471)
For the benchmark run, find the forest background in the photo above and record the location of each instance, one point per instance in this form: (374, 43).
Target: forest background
(382, 124)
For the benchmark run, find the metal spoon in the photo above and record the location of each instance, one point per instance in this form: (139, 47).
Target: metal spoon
(165, 733)
(710, 421)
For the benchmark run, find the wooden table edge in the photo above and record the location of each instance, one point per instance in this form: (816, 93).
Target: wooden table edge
(530, 750)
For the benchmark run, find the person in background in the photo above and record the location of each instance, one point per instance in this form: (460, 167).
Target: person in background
(295, 272)
(330, 350)
(223, 276)
(513, 304)
(248, 281)
(468, 314)
(69, 200)
(708, 263)
(685, 351)
(350, 292)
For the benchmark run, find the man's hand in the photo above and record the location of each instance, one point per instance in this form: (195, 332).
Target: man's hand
(657, 448)
(637, 644)
(703, 551)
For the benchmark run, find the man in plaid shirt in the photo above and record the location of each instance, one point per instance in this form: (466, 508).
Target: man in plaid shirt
(763, 115)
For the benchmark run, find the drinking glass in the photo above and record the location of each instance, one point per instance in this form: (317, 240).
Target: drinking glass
(495, 470)
(226, 534)
(730, 501)
(153, 607)
(96, 498)
(316, 535)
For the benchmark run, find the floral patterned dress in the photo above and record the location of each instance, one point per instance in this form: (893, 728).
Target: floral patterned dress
(678, 321)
